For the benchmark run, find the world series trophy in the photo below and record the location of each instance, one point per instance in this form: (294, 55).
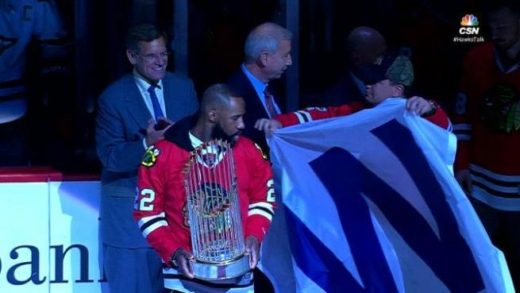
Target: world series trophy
(217, 236)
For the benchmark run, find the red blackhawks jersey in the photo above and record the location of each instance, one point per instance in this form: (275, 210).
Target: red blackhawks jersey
(314, 113)
(160, 206)
(488, 128)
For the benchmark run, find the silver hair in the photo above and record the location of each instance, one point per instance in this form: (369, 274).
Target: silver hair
(264, 38)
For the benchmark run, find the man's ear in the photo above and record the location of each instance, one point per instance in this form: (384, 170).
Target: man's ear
(213, 116)
(263, 59)
(398, 90)
(132, 56)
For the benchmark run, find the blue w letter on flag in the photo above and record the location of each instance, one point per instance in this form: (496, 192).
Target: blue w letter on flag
(442, 253)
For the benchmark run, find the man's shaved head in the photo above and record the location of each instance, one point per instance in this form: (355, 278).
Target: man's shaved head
(364, 45)
(216, 97)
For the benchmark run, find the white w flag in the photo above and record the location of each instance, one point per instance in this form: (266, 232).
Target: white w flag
(371, 205)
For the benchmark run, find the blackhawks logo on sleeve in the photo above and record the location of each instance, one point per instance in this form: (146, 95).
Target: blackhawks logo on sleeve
(150, 157)
(500, 109)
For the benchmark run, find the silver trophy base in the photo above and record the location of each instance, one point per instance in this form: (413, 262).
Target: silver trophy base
(228, 270)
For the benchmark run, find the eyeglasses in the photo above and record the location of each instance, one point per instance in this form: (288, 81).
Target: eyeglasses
(151, 58)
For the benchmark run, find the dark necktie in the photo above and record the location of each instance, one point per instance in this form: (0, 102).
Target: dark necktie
(269, 103)
(157, 111)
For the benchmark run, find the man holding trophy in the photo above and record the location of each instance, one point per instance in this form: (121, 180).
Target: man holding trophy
(205, 198)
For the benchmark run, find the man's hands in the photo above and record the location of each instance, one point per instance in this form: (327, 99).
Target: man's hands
(420, 106)
(253, 250)
(268, 125)
(183, 261)
(155, 130)
(163, 123)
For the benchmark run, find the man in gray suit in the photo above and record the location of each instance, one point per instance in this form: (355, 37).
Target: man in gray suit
(134, 113)
(267, 51)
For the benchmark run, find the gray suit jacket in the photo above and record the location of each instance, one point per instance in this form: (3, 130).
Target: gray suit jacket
(120, 128)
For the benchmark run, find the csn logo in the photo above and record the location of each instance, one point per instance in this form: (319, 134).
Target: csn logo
(469, 25)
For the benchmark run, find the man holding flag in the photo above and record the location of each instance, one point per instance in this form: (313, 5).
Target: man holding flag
(372, 202)
(390, 79)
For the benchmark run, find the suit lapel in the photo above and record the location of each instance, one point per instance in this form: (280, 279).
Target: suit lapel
(253, 104)
(135, 104)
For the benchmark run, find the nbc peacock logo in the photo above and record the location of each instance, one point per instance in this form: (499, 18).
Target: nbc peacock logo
(469, 30)
(469, 20)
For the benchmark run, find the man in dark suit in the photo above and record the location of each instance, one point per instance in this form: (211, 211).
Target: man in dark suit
(267, 52)
(134, 113)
